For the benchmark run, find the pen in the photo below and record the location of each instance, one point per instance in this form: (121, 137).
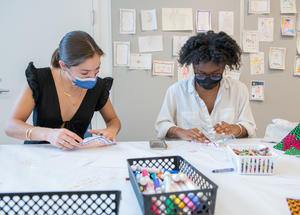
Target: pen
(223, 170)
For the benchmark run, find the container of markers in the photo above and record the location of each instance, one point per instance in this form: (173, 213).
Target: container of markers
(171, 185)
(253, 159)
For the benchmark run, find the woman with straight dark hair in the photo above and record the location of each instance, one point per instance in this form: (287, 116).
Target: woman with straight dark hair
(65, 96)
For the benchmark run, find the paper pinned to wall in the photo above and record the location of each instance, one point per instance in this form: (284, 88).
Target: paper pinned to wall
(148, 20)
(151, 43)
(288, 25)
(178, 42)
(277, 58)
(184, 72)
(266, 29)
(288, 6)
(141, 61)
(203, 20)
(257, 90)
(257, 63)
(163, 68)
(250, 41)
(259, 6)
(297, 66)
(298, 22)
(226, 22)
(298, 42)
(127, 21)
(177, 19)
(121, 53)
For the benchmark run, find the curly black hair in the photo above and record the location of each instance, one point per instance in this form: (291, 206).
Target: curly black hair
(218, 48)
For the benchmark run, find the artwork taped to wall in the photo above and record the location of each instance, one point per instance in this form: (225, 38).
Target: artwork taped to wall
(177, 19)
(148, 20)
(277, 58)
(257, 63)
(121, 53)
(250, 41)
(226, 22)
(203, 20)
(178, 42)
(266, 29)
(150, 43)
(127, 21)
(257, 90)
(184, 72)
(288, 25)
(163, 68)
(298, 42)
(288, 6)
(259, 6)
(140, 61)
(297, 66)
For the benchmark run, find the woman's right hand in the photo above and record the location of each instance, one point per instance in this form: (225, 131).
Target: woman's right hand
(63, 138)
(192, 135)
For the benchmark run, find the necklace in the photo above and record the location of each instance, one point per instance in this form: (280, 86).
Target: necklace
(66, 93)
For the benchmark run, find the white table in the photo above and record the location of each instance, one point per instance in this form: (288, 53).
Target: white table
(30, 168)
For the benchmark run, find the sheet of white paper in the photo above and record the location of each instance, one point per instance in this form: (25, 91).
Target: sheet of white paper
(148, 20)
(257, 63)
(141, 61)
(184, 72)
(259, 6)
(163, 68)
(298, 22)
(178, 42)
(288, 6)
(298, 42)
(266, 29)
(177, 19)
(121, 53)
(226, 22)
(151, 43)
(257, 90)
(127, 21)
(250, 41)
(277, 58)
(203, 20)
(288, 25)
(297, 66)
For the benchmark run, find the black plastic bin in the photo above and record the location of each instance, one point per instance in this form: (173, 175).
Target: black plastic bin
(170, 203)
(60, 203)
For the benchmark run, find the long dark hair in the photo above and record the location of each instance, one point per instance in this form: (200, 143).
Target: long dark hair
(74, 48)
(218, 48)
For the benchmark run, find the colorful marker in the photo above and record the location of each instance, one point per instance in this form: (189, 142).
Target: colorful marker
(222, 170)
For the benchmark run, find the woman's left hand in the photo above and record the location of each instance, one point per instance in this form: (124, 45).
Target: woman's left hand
(107, 133)
(227, 129)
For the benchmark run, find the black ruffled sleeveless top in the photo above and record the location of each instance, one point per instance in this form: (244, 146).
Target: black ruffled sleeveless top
(47, 113)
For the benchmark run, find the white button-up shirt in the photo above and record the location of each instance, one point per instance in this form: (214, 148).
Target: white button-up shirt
(184, 108)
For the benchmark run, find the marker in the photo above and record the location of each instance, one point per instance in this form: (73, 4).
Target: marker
(223, 170)
(153, 170)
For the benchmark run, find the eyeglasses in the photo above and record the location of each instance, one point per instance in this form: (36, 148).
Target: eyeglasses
(214, 77)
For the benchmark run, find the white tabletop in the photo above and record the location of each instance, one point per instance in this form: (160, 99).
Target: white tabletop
(30, 168)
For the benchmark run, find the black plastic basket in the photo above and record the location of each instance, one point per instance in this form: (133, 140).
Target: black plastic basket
(169, 202)
(62, 203)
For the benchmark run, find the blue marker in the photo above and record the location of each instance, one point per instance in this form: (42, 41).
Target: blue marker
(223, 170)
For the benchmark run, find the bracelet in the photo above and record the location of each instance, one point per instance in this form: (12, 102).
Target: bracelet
(28, 133)
(241, 130)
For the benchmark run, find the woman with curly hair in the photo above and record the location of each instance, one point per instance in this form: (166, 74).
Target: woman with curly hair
(207, 104)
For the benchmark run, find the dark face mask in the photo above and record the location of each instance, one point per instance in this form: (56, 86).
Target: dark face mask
(208, 83)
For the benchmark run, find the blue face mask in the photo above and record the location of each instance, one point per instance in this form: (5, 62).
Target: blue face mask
(86, 83)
